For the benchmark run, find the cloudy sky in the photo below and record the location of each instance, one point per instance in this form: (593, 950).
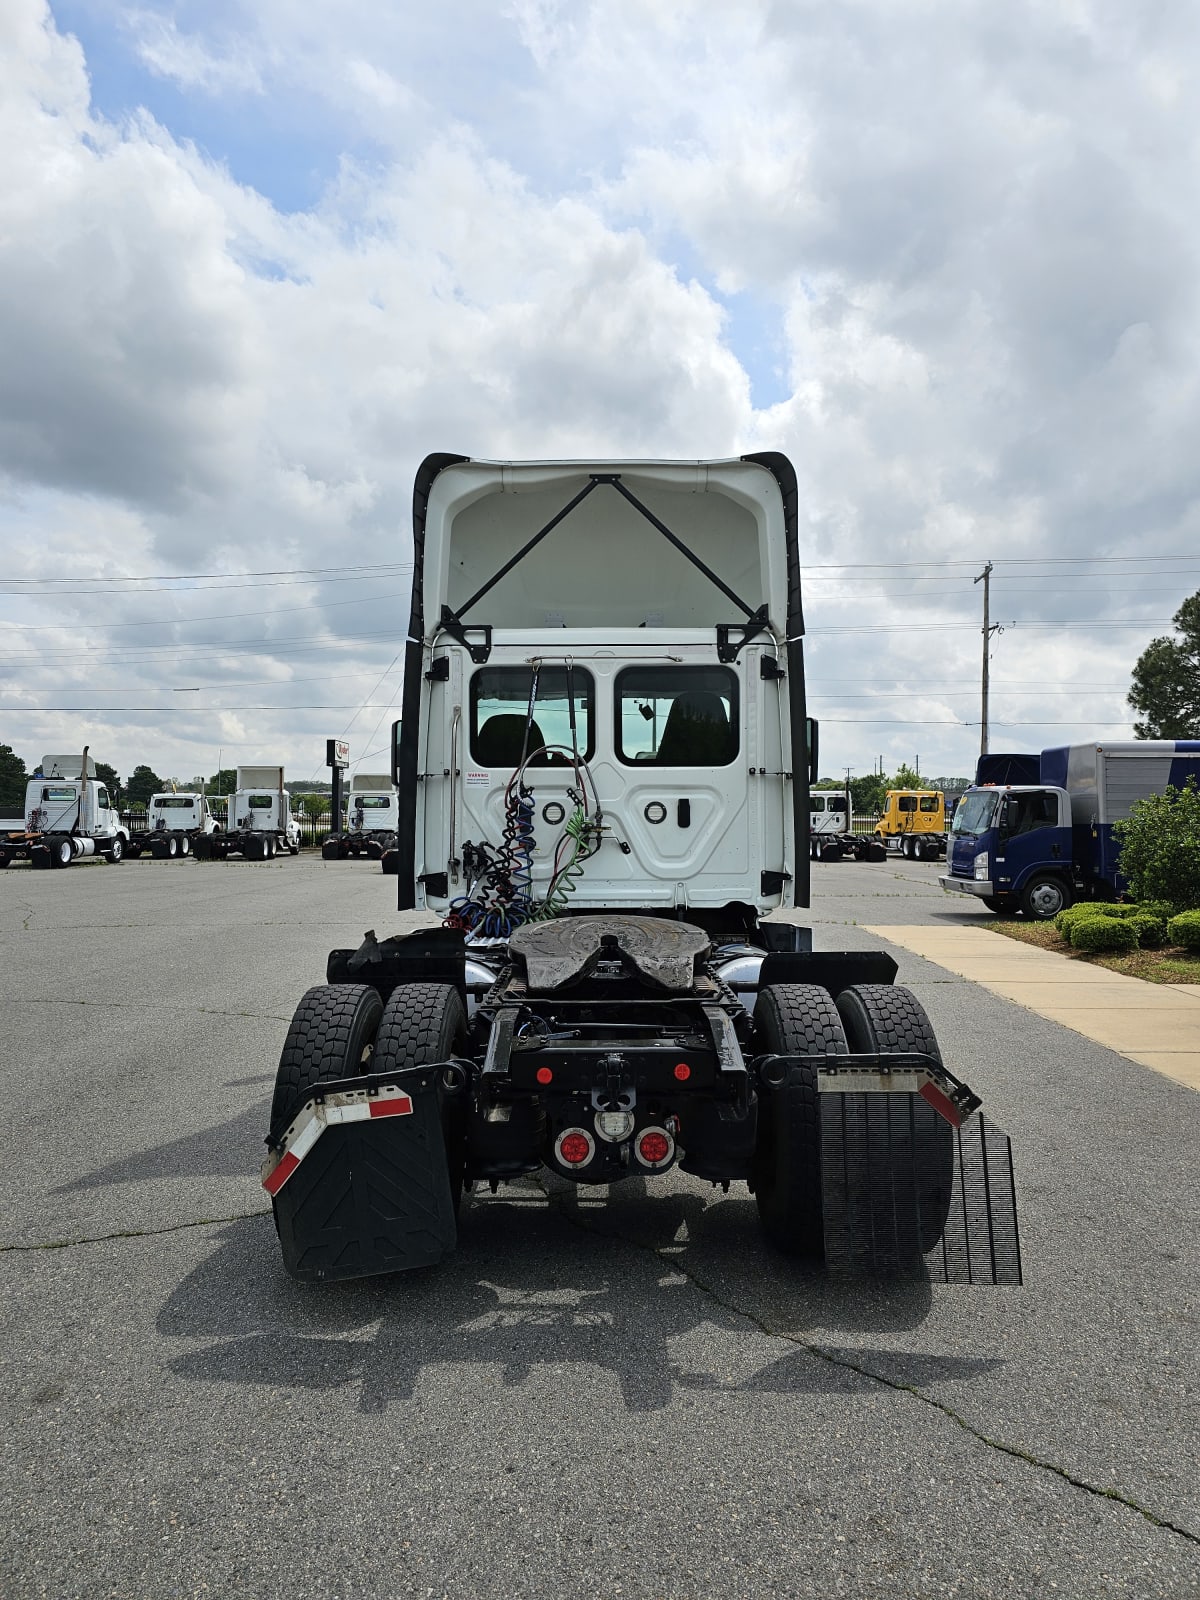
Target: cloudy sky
(258, 257)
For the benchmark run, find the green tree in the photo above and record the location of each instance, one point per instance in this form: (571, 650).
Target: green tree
(1166, 680)
(868, 795)
(223, 782)
(108, 777)
(1160, 847)
(12, 781)
(144, 782)
(906, 778)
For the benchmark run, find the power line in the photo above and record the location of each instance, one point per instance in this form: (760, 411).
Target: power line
(372, 570)
(218, 616)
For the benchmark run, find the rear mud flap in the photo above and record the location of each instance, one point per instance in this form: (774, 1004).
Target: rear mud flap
(905, 1194)
(371, 1196)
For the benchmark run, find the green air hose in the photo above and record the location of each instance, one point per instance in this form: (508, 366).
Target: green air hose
(573, 850)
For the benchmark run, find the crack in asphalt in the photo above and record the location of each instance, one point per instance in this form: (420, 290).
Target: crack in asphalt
(148, 1005)
(668, 1257)
(665, 1255)
(132, 1233)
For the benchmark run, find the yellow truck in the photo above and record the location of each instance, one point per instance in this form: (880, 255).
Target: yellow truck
(913, 824)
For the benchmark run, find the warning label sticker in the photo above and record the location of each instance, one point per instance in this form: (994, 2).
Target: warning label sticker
(476, 778)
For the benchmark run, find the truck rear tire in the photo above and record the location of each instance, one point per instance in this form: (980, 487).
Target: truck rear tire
(1044, 896)
(425, 1022)
(908, 1161)
(391, 863)
(793, 1019)
(330, 1032)
(329, 850)
(61, 853)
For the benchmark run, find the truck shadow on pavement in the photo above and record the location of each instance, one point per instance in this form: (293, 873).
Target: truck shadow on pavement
(667, 1294)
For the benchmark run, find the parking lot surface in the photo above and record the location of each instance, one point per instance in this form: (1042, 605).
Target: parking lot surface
(604, 1392)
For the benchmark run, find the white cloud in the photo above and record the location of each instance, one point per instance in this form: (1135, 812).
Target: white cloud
(184, 58)
(973, 225)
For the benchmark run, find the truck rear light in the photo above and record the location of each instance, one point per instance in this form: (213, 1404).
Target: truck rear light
(682, 1071)
(574, 1147)
(654, 1147)
(544, 1075)
(614, 1125)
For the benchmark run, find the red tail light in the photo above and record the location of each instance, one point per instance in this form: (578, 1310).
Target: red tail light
(654, 1147)
(574, 1147)
(544, 1075)
(682, 1071)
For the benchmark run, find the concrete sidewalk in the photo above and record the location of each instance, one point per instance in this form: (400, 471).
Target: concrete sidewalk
(1156, 1025)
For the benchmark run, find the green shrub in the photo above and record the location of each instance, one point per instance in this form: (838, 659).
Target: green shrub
(1185, 930)
(1084, 910)
(1151, 930)
(1164, 909)
(1160, 846)
(1104, 933)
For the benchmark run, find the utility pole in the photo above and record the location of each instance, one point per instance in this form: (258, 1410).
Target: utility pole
(985, 577)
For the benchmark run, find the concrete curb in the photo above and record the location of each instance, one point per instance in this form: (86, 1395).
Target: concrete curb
(1156, 1025)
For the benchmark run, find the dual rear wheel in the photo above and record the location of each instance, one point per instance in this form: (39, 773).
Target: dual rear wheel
(344, 1030)
(884, 1199)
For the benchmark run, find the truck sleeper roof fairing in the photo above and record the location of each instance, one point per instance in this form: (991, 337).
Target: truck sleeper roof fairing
(700, 549)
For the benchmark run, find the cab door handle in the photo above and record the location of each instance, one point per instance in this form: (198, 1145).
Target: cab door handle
(683, 813)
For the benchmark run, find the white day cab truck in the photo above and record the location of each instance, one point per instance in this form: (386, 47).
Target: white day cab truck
(175, 821)
(372, 819)
(260, 824)
(1037, 847)
(604, 800)
(68, 815)
(831, 835)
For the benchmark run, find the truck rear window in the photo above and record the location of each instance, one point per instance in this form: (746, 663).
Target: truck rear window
(677, 716)
(173, 802)
(59, 794)
(500, 712)
(370, 802)
(261, 802)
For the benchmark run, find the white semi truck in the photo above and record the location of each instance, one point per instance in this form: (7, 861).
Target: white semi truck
(371, 821)
(831, 835)
(260, 823)
(604, 799)
(175, 821)
(68, 815)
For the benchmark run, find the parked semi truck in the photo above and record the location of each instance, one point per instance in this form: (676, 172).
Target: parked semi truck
(604, 799)
(371, 820)
(1037, 847)
(831, 835)
(175, 823)
(68, 815)
(913, 824)
(259, 823)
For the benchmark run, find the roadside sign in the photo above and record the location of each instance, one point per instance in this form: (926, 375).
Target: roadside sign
(337, 754)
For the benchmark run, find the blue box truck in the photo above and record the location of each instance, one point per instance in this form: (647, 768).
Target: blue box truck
(1038, 847)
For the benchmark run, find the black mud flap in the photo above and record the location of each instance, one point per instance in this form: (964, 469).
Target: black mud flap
(904, 1194)
(371, 1196)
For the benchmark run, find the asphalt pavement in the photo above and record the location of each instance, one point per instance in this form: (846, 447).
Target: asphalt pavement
(611, 1392)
